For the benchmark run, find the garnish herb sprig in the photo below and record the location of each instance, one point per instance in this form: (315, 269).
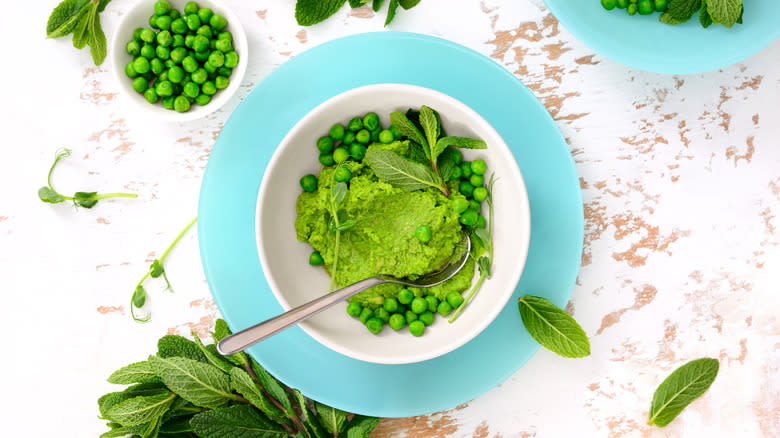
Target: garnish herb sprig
(337, 224)
(82, 19)
(681, 388)
(156, 270)
(309, 12)
(189, 390)
(48, 194)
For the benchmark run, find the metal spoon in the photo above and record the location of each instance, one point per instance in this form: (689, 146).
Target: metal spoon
(246, 338)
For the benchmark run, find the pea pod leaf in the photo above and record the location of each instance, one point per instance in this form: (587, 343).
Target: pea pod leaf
(555, 329)
(46, 194)
(65, 17)
(682, 387)
(85, 199)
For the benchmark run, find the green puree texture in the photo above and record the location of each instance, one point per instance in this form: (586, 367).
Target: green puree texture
(383, 240)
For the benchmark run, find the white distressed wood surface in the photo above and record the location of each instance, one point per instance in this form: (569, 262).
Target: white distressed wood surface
(680, 179)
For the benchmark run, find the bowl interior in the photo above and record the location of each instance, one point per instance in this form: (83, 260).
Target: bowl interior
(138, 16)
(285, 259)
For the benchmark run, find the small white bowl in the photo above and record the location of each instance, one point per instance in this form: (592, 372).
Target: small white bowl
(138, 16)
(285, 260)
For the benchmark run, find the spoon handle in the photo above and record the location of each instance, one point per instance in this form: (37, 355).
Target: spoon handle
(246, 338)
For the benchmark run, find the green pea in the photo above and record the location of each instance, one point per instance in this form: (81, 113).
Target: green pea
(177, 90)
(396, 133)
(480, 194)
(478, 167)
(203, 99)
(375, 135)
(390, 304)
(164, 22)
(201, 44)
(210, 69)
(337, 131)
(454, 299)
(130, 71)
(225, 36)
(457, 156)
(469, 218)
(133, 48)
(423, 233)
(212, 44)
(326, 159)
(363, 136)
(175, 74)
(193, 22)
(231, 59)
(349, 138)
(200, 76)
(460, 204)
(141, 65)
(163, 76)
(474, 205)
(224, 46)
(218, 22)
(365, 314)
(397, 321)
(357, 151)
(646, 7)
(417, 328)
(609, 4)
(168, 63)
(325, 144)
(661, 5)
(481, 222)
(178, 41)
(477, 180)
(137, 33)
(433, 302)
(148, 52)
(153, 22)
(405, 296)
(205, 14)
(151, 96)
(156, 66)
(355, 125)
(371, 121)
(178, 54)
(410, 316)
(419, 305)
(456, 173)
(385, 136)
(179, 26)
(466, 188)
(162, 7)
(217, 59)
(162, 52)
(444, 308)
(342, 174)
(167, 102)
(164, 88)
(204, 31)
(191, 89)
(221, 82)
(191, 8)
(427, 317)
(465, 169)
(181, 104)
(622, 4)
(140, 84)
(354, 309)
(375, 325)
(209, 88)
(382, 314)
(224, 71)
(309, 184)
(340, 155)
(632, 8)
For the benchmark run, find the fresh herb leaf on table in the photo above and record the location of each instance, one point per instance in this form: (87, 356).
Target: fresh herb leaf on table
(310, 12)
(681, 388)
(82, 19)
(553, 328)
(48, 194)
(193, 397)
(156, 269)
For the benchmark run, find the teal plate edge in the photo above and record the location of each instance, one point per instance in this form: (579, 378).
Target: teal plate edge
(231, 181)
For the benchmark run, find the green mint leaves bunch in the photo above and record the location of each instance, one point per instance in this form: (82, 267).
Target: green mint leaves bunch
(189, 390)
(82, 19)
(49, 195)
(156, 269)
(309, 12)
(725, 12)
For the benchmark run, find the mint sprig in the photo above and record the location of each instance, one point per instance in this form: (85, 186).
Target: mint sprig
(555, 329)
(725, 12)
(192, 397)
(82, 19)
(681, 388)
(310, 12)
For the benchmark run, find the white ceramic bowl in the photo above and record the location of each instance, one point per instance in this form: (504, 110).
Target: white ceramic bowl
(285, 259)
(138, 16)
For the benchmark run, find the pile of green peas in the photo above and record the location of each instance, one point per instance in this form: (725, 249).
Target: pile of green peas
(644, 7)
(187, 59)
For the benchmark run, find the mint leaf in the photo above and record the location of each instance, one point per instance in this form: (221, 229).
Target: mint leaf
(681, 10)
(102, 5)
(408, 4)
(377, 5)
(417, 154)
(65, 17)
(116, 433)
(334, 420)
(400, 172)
(243, 384)
(361, 426)
(240, 421)
(682, 387)
(704, 16)
(139, 410)
(199, 383)
(139, 372)
(222, 331)
(432, 128)
(313, 426)
(272, 386)
(85, 199)
(725, 12)
(309, 12)
(48, 195)
(96, 40)
(107, 401)
(555, 329)
(176, 425)
(179, 346)
(460, 142)
(212, 356)
(391, 11)
(80, 35)
(357, 3)
(667, 18)
(446, 164)
(409, 129)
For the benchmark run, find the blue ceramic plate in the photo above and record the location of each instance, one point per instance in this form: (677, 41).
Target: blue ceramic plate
(226, 225)
(645, 43)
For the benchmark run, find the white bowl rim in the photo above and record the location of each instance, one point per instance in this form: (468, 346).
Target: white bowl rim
(445, 347)
(196, 112)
